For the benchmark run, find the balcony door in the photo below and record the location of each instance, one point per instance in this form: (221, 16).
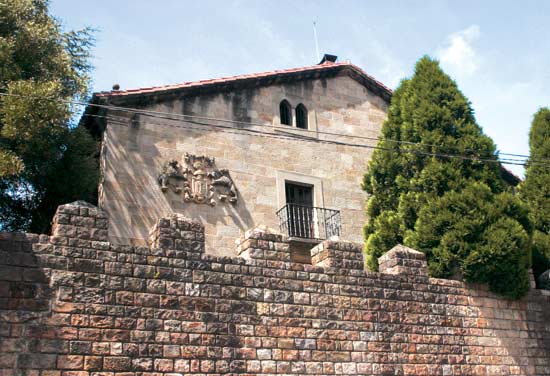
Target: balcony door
(300, 211)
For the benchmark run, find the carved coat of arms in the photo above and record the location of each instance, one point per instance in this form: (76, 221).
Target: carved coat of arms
(198, 180)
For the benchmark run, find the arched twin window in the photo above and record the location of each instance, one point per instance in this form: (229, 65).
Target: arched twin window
(301, 116)
(285, 111)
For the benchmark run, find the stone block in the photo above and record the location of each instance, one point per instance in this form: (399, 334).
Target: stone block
(37, 361)
(79, 220)
(403, 260)
(263, 243)
(70, 362)
(177, 232)
(338, 254)
(116, 363)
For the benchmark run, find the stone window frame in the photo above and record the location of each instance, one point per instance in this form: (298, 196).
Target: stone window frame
(279, 127)
(283, 177)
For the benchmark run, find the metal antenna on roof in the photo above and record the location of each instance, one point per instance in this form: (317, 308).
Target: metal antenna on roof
(316, 42)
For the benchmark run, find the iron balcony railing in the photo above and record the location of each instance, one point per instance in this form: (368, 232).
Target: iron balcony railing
(309, 222)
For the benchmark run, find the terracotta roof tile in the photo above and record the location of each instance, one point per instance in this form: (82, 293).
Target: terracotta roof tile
(233, 79)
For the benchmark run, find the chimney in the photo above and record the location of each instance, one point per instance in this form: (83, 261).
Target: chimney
(328, 59)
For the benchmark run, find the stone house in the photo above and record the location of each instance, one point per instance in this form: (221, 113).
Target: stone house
(286, 149)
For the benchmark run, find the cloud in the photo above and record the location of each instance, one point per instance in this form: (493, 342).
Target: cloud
(459, 56)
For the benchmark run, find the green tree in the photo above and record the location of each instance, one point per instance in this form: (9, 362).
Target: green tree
(44, 159)
(478, 235)
(535, 189)
(411, 173)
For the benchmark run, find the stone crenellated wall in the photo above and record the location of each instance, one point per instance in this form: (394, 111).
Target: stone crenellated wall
(72, 304)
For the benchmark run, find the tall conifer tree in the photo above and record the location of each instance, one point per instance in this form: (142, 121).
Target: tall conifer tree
(535, 189)
(411, 175)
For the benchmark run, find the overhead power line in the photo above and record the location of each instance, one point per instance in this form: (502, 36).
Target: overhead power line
(197, 125)
(292, 135)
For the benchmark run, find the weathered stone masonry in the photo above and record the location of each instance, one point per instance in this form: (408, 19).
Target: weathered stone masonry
(72, 304)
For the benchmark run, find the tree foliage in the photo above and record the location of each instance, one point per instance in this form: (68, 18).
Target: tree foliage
(44, 159)
(447, 207)
(478, 235)
(535, 189)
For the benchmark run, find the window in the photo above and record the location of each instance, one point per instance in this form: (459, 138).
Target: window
(301, 116)
(300, 211)
(286, 116)
(299, 194)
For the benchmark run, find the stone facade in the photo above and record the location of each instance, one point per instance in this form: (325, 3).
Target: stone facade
(136, 146)
(73, 304)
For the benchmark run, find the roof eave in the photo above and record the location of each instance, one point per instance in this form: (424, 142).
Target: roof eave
(93, 116)
(221, 85)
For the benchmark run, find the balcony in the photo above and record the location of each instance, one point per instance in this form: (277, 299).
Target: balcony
(308, 222)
